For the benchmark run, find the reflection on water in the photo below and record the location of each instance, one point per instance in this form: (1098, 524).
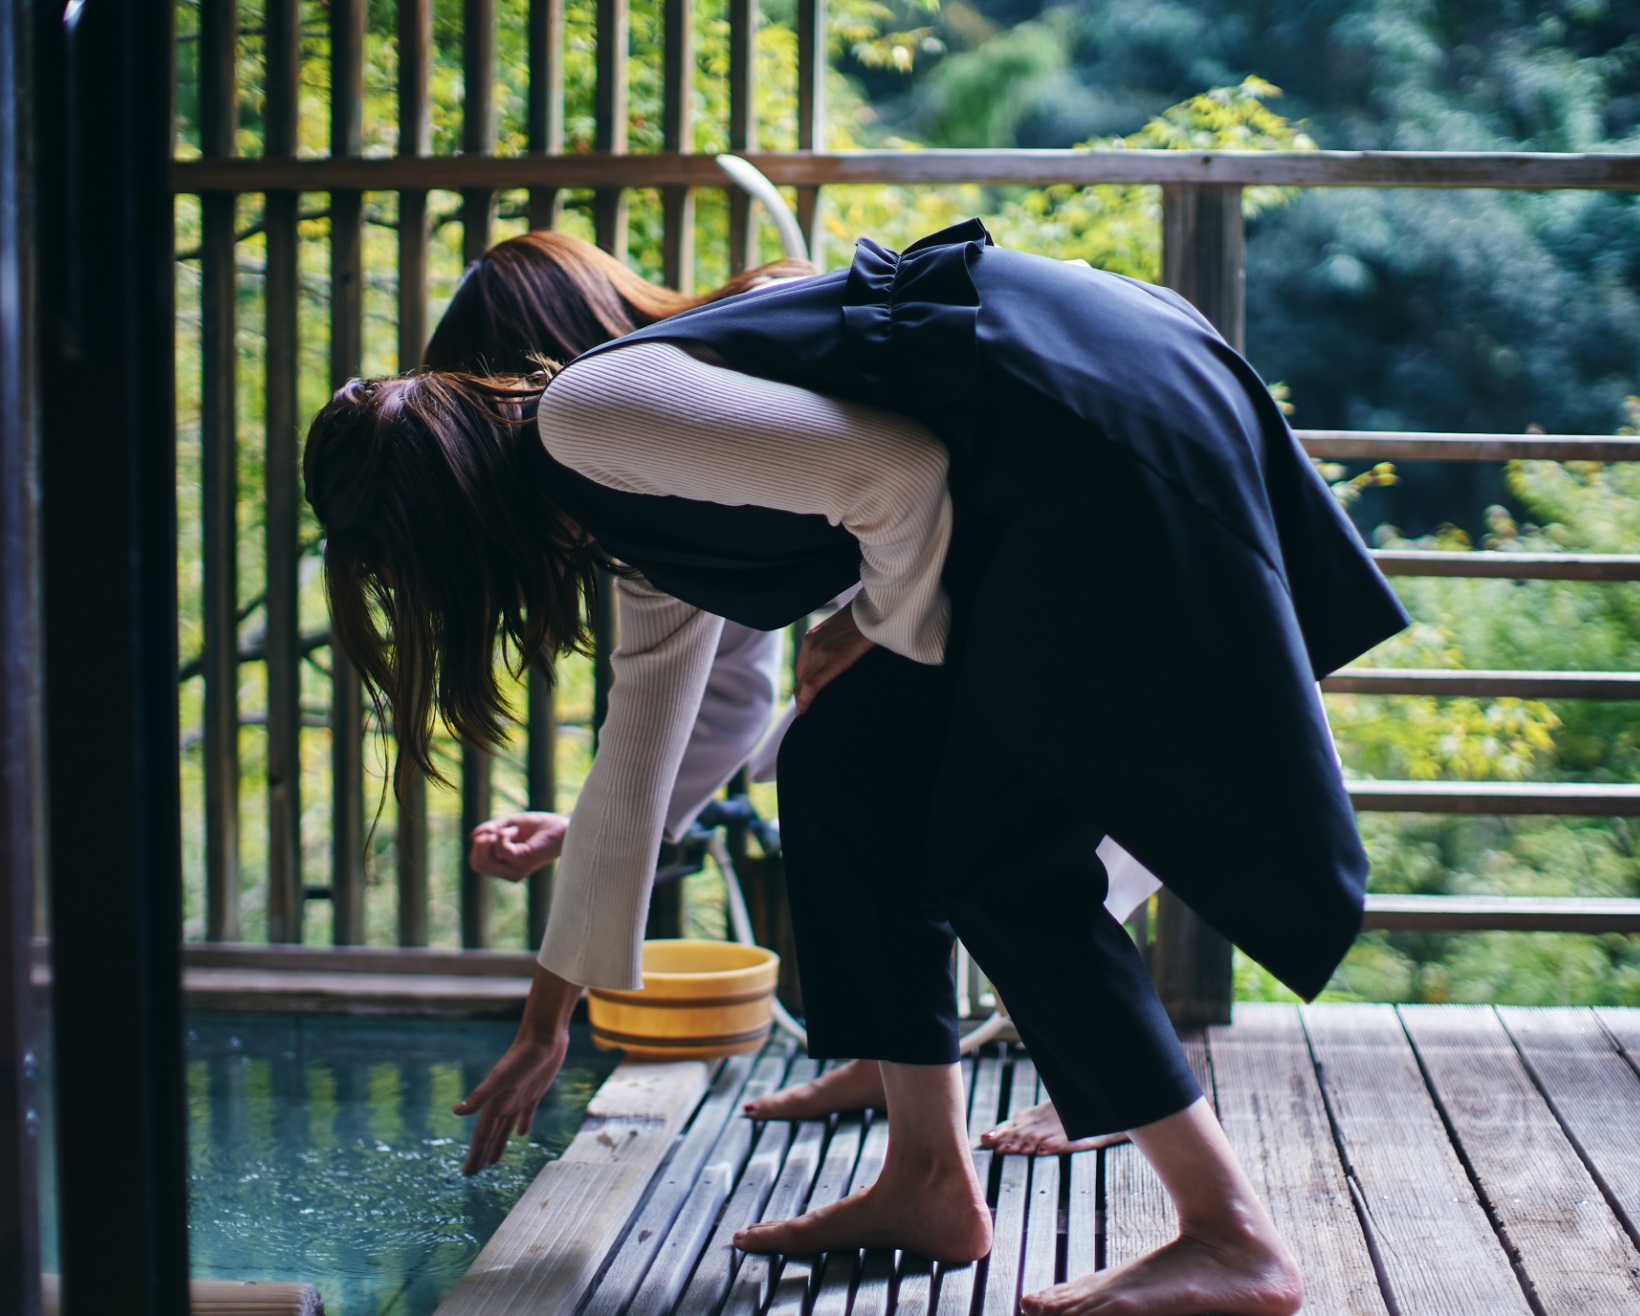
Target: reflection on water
(324, 1150)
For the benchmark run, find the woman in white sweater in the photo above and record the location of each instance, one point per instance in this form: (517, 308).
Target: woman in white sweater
(988, 443)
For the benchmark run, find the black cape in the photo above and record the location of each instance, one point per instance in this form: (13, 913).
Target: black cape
(1147, 572)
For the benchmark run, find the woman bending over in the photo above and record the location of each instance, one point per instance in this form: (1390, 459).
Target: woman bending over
(1052, 484)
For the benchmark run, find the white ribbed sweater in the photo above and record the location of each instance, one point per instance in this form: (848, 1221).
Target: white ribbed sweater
(654, 419)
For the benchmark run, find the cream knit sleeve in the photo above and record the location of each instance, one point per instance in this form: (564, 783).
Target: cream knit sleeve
(600, 900)
(653, 419)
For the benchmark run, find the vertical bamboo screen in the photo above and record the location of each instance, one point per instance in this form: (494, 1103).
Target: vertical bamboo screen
(285, 342)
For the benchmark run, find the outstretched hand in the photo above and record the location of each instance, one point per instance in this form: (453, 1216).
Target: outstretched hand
(517, 845)
(828, 651)
(505, 1102)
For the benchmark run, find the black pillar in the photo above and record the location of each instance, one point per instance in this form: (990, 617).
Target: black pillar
(108, 462)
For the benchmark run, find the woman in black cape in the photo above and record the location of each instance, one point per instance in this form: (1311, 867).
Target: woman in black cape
(1100, 579)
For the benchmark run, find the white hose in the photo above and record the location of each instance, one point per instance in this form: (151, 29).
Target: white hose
(741, 923)
(756, 184)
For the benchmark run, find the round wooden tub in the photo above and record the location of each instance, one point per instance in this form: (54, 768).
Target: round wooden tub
(700, 999)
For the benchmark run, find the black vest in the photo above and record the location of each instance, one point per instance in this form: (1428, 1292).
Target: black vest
(1149, 555)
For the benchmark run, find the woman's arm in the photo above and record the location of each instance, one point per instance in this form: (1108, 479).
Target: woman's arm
(652, 419)
(601, 896)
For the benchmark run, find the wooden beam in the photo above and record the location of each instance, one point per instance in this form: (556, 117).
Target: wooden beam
(477, 120)
(1436, 169)
(811, 113)
(1408, 445)
(678, 122)
(1509, 566)
(219, 474)
(1495, 797)
(743, 24)
(22, 784)
(282, 496)
(610, 119)
(1485, 684)
(546, 106)
(107, 490)
(477, 891)
(541, 772)
(347, 875)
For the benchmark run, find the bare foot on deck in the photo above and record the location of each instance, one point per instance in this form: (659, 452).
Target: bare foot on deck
(858, 1085)
(1038, 1132)
(1250, 1274)
(939, 1215)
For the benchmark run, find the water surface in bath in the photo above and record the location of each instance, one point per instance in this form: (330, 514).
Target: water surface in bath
(324, 1150)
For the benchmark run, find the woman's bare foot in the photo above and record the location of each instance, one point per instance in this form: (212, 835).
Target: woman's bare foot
(1250, 1275)
(1228, 1257)
(1038, 1132)
(927, 1199)
(941, 1216)
(858, 1085)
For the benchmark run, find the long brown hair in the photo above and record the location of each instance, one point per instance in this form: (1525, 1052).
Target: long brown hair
(440, 540)
(548, 295)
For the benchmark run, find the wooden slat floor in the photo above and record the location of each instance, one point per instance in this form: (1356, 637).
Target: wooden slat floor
(1420, 1159)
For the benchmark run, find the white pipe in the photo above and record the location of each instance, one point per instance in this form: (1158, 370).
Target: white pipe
(756, 184)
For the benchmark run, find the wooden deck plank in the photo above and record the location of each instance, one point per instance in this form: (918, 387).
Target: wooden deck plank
(956, 1283)
(915, 1286)
(1438, 1249)
(1593, 1091)
(753, 1284)
(1624, 1027)
(874, 1291)
(1012, 1206)
(1570, 1247)
(791, 1289)
(1271, 1109)
(691, 1232)
(1084, 1221)
(547, 1251)
(649, 1232)
(716, 1271)
(1042, 1228)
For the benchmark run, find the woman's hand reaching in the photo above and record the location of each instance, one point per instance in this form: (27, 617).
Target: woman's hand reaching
(505, 1101)
(518, 845)
(828, 651)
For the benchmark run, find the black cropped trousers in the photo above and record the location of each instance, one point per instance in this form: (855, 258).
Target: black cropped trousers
(906, 821)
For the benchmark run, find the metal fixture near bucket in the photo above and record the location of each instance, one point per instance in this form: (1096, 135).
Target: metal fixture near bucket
(756, 184)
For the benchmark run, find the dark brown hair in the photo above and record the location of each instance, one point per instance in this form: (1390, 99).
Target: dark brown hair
(548, 295)
(440, 540)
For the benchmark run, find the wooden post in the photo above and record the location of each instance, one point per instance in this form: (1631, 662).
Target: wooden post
(1204, 259)
(415, 139)
(546, 107)
(542, 775)
(22, 783)
(283, 43)
(477, 891)
(219, 475)
(104, 129)
(478, 120)
(609, 106)
(347, 876)
(678, 123)
(743, 21)
(811, 111)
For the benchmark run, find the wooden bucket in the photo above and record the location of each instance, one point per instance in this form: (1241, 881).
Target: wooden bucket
(700, 999)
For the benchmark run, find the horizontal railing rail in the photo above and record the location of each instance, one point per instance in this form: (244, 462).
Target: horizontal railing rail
(1589, 800)
(1405, 445)
(1029, 168)
(1508, 566)
(1501, 914)
(1484, 684)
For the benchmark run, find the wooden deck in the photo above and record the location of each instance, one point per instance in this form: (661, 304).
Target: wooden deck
(1426, 1159)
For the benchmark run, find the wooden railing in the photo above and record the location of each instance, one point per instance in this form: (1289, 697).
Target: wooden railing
(1203, 257)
